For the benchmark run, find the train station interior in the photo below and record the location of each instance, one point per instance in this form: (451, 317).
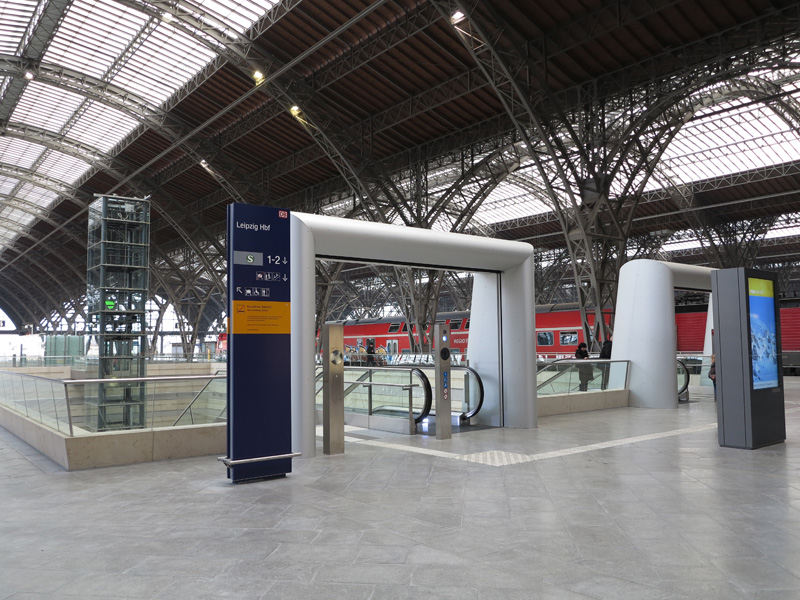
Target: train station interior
(392, 299)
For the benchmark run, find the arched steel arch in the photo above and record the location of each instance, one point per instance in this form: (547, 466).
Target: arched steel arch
(585, 151)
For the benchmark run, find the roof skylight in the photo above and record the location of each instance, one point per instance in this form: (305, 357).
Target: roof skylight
(102, 41)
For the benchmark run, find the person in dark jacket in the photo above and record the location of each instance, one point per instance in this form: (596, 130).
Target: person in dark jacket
(605, 352)
(585, 372)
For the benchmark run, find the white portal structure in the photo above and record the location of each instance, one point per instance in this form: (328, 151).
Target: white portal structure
(502, 331)
(644, 331)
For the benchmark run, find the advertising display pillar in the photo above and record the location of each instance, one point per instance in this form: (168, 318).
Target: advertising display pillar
(747, 345)
(444, 424)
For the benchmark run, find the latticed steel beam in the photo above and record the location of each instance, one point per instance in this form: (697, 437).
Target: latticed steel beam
(587, 151)
(765, 39)
(275, 77)
(413, 21)
(327, 278)
(550, 271)
(34, 43)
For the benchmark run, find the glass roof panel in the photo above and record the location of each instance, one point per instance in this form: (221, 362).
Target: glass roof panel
(7, 185)
(162, 64)
(17, 15)
(62, 167)
(93, 35)
(17, 216)
(239, 15)
(45, 106)
(37, 195)
(19, 153)
(729, 138)
(101, 127)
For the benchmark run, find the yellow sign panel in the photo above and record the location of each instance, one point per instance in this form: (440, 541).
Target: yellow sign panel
(261, 317)
(760, 287)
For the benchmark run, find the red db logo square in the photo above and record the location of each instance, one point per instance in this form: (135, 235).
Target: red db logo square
(283, 214)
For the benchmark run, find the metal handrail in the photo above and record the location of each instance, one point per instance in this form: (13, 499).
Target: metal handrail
(139, 379)
(205, 387)
(426, 385)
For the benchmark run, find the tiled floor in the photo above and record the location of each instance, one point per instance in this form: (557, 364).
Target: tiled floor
(610, 505)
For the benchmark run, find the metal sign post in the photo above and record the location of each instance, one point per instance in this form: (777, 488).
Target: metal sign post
(333, 388)
(444, 425)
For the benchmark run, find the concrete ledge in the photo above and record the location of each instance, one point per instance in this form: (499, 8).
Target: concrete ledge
(118, 447)
(562, 404)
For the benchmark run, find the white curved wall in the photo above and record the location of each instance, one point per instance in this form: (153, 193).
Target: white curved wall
(644, 330)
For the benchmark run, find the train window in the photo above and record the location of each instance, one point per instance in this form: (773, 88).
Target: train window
(544, 338)
(394, 327)
(455, 324)
(405, 327)
(568, 338)
(466, 325)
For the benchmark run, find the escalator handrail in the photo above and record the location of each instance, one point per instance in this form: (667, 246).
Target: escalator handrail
(426, 386)
(474, 411)
(685, 377)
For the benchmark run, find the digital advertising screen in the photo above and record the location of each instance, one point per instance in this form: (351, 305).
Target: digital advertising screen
(763, 333)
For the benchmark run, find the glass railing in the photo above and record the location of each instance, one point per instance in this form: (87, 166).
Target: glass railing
(40, 399)
(697, 366)
(576, 376)
(209, 406)
(78, 407)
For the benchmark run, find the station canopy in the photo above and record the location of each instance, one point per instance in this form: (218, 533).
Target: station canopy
(199, 103)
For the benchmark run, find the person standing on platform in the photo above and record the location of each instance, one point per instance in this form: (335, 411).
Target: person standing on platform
(712, 374)
(605, 353)
(585, 372)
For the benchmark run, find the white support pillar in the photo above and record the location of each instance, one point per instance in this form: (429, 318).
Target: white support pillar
(644, 331)
(518, 310)
(303, 281)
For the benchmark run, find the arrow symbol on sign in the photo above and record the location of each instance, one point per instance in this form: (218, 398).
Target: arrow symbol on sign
(285, 278)
(285, 260)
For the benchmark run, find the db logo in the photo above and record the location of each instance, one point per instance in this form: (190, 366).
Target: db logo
(283, 214)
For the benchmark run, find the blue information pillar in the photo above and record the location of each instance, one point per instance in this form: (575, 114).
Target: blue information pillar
(259, 324)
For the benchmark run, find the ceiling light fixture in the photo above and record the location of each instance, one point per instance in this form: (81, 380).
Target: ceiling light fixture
(28, 75)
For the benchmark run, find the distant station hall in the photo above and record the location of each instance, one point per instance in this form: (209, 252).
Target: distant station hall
(382, 299)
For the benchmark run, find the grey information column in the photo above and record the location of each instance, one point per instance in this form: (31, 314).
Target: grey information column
(747, 344)
(444, 425)
(333, 388)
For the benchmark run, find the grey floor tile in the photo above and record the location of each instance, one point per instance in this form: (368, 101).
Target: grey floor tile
(671, 518)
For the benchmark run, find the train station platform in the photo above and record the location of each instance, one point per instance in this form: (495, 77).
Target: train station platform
(627, 503)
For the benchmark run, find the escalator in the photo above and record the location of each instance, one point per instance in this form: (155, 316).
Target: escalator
(405, 392)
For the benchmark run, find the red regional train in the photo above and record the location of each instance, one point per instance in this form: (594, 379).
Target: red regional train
(558, 331)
